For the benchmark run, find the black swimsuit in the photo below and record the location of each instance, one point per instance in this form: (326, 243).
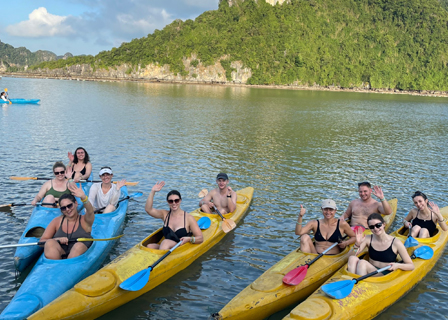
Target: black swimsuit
(82, 172)
(425, 224)
(335, 237)
(385, 256)
(168, 233)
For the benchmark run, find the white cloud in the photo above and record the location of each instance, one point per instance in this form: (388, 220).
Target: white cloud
(41, 24)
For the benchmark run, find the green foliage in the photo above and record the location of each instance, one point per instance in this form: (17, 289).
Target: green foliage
(225, 63)
(194, 63)
(399, 44)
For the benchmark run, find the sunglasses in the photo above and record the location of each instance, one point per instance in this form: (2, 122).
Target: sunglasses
(377, 225)
(56, 173)
(67, 207)
(171, 201)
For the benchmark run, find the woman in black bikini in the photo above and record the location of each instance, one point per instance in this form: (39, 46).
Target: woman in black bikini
(79, 167)
(177, 224)
(69, 226)
(424, 218)
(326, 231)
(383, 250)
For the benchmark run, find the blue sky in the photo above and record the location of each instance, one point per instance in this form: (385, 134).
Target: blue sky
(90, 26)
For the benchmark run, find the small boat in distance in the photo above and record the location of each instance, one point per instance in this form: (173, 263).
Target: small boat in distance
(21, 101)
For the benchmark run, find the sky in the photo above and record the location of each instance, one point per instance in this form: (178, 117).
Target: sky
(90, 26)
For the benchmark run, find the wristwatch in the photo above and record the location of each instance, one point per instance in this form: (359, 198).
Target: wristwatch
(229, 196)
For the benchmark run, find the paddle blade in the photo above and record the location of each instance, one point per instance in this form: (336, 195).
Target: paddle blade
(137, 281)
(93, 239)
(295, 276)
(203, 193)
(339, 289)
(204, 223)
(228, 225)
(410, 242)
(424, 252)
(23, 178)
(135, 195)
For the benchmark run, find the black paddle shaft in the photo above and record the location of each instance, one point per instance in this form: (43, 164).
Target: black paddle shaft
(101, 209)
(321, 254)
(158, 261)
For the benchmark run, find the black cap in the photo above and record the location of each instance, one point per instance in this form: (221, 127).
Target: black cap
(222, 176)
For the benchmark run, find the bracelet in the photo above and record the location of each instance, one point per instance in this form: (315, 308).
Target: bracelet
(355, 249)
(192, 239)
(382, 199)
(84, 201)
(299, 223)
(443, 220)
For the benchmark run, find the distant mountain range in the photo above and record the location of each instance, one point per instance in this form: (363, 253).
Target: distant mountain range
(22, 57)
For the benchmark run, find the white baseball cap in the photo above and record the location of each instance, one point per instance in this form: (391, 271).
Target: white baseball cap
(328, 203)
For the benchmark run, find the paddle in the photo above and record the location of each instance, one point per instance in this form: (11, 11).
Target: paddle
(410, 241)
(341, 289)
(7, 95)
(37, 178)
(141, 278)
(295, 276)
(227, 224)
(27, 204)
(204, 223)
(41, 243)
(134, 195)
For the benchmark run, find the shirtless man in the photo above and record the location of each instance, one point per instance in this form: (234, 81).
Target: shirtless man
(223, 197)
(360, 209)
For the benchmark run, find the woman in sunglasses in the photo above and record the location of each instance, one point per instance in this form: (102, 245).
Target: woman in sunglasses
(52, 190)
(424, 217)
(62, 232)
(327, 231)
(383, 250)
(79, 167)
(178, 226)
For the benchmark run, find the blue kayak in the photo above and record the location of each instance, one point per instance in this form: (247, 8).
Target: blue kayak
(40, 218)
(50, 278)
(21, 101)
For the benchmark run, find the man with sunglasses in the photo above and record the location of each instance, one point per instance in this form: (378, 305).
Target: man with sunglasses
(359, 210)
(222, 197)
(104, 194)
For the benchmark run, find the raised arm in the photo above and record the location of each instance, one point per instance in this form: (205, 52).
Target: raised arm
(148, 206)
(89, 216)
(440, 218)
(308, 227)
(383, 206)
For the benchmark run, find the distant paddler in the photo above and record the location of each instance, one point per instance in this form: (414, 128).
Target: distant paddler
(425, 217)
(327, 231)
(383, 250)
(63, 230)
(4, 96)
(358, 210)
(53, 189)
(178, 225)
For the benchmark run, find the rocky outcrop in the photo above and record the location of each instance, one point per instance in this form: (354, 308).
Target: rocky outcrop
(196, 72)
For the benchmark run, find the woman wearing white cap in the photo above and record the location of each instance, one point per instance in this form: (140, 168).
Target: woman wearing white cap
(105, 194)
(326, 231)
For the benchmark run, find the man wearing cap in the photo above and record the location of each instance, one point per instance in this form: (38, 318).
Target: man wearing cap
(104, 194)
(359, 209)
(327, 231)
(222, 197)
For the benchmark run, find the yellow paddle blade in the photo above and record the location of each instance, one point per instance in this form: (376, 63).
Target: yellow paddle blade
(228, 225)
(23, 178)
(90, 239)
(203, 193)
(129, 183)
(6, 89)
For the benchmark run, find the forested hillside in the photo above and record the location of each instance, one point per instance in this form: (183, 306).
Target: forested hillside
(386, 43)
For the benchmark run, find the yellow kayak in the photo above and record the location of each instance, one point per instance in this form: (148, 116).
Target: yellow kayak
(268, 294)
(100, 293)
(373, 295)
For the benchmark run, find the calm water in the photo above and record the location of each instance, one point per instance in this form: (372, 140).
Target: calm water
(293, 147)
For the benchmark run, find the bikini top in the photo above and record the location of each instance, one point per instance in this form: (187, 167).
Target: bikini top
(57, 194)
(82, 172)
(335, 237)
(385, 256)
(426, 224)
(168, 233)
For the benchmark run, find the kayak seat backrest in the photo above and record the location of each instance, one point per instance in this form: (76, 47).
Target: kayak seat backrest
(435, 232)
(240, 198)
(155, 238)
(35, 232)
(403, 231)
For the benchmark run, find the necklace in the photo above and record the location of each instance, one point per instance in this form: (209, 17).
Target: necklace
(73, 230)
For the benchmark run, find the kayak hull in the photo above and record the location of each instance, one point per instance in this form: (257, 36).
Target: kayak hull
(268, 294)
(100, 293)
(373, 295)
(50, 278)
(40, 218)
(21, 101)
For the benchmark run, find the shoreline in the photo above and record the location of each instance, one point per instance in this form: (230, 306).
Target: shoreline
(422, 93)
